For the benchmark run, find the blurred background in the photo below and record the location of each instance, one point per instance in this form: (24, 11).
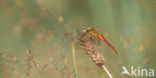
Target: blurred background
(35, 37)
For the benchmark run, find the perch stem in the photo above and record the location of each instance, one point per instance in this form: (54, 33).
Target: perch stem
(109, 74)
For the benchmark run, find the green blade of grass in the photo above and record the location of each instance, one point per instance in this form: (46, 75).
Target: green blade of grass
(74, 60)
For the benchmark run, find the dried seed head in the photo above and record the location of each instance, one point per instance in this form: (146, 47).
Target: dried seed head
(88, 46)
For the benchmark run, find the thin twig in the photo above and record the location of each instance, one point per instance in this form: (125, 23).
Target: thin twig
(109, 74)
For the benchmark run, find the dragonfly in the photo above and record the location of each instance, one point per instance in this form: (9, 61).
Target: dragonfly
(94, 32)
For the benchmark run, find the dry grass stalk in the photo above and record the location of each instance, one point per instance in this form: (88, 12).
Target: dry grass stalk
(11, 66)
(89, 48)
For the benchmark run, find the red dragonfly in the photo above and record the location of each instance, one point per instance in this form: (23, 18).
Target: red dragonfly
(94, 32)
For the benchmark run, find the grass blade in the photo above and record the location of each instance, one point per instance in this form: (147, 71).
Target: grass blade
(74, 60)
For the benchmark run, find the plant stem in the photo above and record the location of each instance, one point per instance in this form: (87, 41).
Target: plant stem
(74, 60)
(109, 74)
